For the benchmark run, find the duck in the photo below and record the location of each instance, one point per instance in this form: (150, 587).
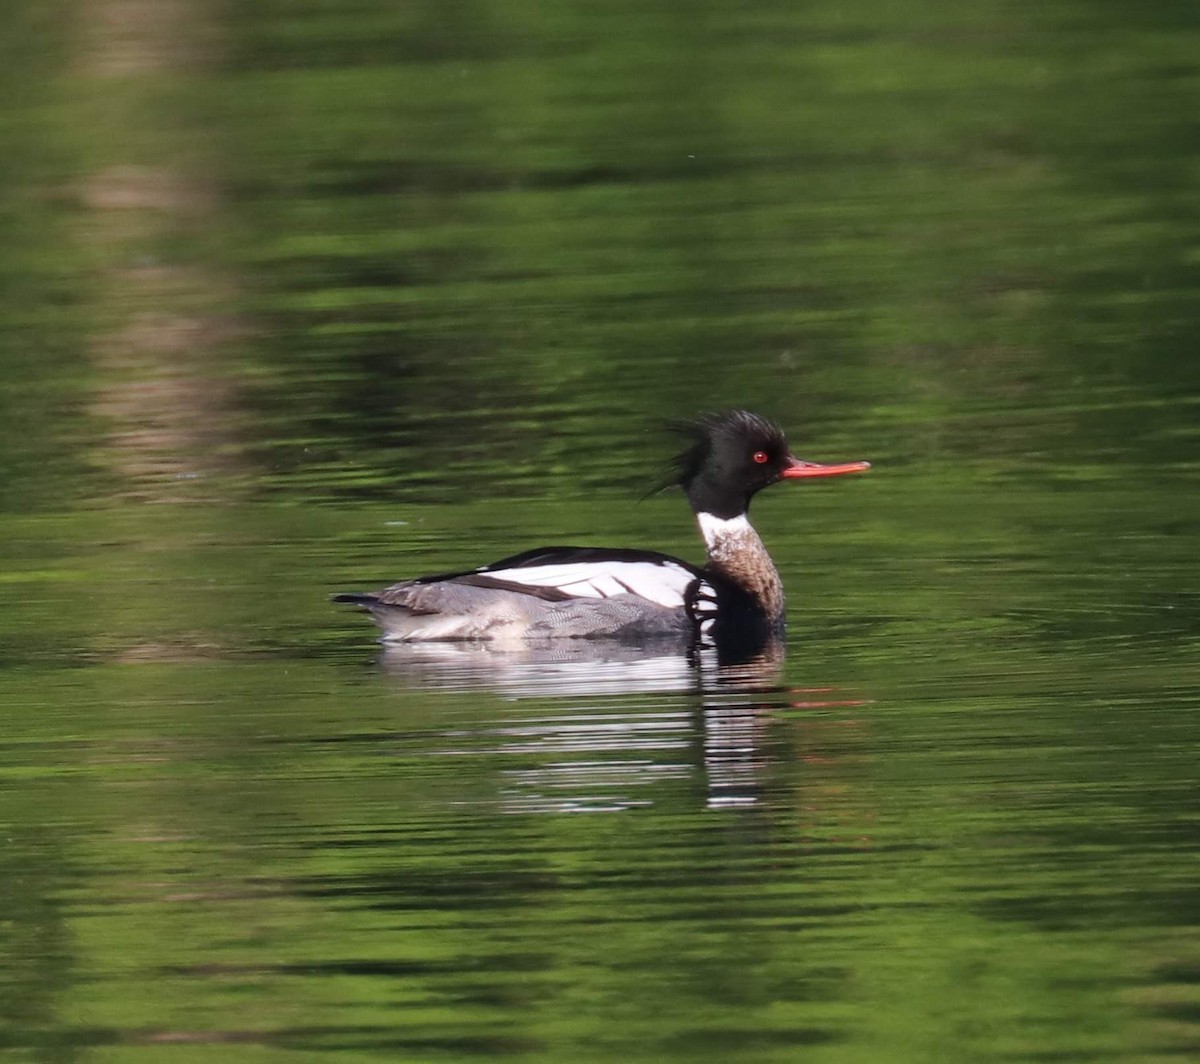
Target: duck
(628, 594)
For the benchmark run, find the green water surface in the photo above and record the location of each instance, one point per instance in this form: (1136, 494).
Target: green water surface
(301, 298)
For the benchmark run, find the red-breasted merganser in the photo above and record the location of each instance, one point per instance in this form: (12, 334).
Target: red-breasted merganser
(615, 593)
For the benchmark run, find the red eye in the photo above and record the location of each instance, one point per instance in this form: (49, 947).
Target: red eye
(761, 457)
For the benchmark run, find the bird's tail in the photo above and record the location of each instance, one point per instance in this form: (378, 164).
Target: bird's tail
(357, 598)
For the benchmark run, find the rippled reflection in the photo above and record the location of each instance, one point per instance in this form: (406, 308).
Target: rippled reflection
(602, 726)
(577, 667)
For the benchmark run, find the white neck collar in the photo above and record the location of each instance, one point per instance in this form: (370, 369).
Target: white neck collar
(717, 529)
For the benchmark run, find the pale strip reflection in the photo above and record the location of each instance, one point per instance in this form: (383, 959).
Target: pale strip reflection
(584, 709)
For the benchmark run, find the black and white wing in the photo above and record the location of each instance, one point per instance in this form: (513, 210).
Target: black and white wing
(579, 592)
(581, 572)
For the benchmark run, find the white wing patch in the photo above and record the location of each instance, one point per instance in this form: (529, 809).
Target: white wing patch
(663, 583)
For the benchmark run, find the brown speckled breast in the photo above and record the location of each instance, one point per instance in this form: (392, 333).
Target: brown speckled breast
(739, 554)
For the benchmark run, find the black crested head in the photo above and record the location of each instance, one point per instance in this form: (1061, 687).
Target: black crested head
(732, 455)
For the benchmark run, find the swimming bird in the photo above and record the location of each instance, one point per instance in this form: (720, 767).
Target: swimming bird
(621, 593)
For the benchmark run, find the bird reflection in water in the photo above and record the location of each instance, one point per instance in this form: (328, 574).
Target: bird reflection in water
(602, 725)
